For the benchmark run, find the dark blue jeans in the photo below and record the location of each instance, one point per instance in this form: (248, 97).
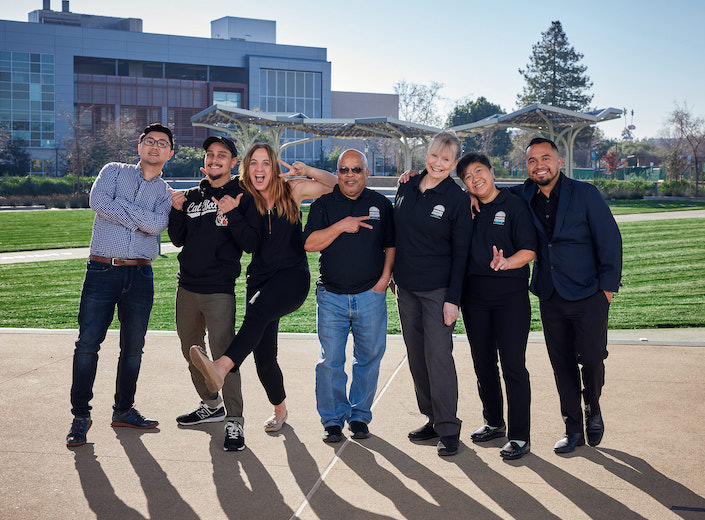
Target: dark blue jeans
(131, 288)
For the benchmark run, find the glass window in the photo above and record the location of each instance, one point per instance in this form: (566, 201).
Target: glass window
(48, 79)
(20, 56)
(47, 58)
(35, 78)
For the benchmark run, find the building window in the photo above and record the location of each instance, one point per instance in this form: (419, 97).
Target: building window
(292, 92)
(227, 98)
(26, 91)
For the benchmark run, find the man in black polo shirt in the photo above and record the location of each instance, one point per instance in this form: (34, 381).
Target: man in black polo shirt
(353, 229)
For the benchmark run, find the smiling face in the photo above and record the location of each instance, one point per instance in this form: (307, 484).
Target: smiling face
(218, 163)
(479, 180)
(154, 155)
(352, 174)
(440, 161)
(543, 165)
(259, 170)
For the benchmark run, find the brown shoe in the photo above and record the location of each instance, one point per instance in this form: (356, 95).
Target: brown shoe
(214, 381)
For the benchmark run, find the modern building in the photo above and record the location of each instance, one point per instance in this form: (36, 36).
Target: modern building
(61, 69)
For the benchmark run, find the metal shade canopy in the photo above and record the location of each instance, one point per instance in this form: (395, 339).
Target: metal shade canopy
(234, 121)
(558, 124)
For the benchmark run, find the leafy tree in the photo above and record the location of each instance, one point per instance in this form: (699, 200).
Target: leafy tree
(495, 143)
(554, 75)
(611, 161)
(186, 162)
(14, 157)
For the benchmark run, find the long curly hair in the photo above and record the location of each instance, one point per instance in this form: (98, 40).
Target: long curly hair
(278, 188)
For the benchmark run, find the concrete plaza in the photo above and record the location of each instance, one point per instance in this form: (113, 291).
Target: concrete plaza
(651, 463)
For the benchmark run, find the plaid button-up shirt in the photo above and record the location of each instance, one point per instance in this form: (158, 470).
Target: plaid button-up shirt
(131, 212)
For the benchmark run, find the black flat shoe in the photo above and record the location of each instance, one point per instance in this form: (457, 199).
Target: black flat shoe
(448, 445)
(359, 430)
(487, 433)
(512, 450)
(595, 428)
(424, 433)
(568, 442)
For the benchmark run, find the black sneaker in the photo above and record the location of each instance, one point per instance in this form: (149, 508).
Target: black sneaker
(448, 445)
(359, 430)
(424, 433)
(77, 434)
(133, 419)
(332, 434)
(234, 437)
(202, 414)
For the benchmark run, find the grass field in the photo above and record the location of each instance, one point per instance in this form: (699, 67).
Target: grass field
(52, 229)
(664, 286)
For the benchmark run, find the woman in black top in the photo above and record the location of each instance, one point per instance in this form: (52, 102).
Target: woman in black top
(433, 228)
(495, 303)
(277, 277)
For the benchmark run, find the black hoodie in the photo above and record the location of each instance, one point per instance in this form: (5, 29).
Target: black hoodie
(212, 242)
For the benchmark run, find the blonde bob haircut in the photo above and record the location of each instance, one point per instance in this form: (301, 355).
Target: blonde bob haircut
(278, 188)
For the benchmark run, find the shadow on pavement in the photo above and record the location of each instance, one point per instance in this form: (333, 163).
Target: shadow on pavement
(325, 503)
(640, 474)
(447, 498)
(97, 489)
(163, 500)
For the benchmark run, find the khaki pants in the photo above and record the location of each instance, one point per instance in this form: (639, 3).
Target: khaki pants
(215, 312)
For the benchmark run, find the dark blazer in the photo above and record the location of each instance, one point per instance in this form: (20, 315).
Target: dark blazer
(584, 254)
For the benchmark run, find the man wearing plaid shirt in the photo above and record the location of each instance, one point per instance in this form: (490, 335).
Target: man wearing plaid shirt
(132, 204)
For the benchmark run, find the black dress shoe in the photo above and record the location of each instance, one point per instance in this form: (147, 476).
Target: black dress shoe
(568, 442)
(512, 450)
(424, 433)
(332, 434)
(359, 430)
(448, 445)
(595, 428)
(487, 432)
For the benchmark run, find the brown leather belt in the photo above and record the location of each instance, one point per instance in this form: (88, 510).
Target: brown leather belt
(120, 261)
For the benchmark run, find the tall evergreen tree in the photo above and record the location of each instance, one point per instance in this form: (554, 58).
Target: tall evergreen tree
(554, 75)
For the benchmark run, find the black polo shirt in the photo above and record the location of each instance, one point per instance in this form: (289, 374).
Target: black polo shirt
(353, 262)
(433, 236)
(546, 207)
(506, 222)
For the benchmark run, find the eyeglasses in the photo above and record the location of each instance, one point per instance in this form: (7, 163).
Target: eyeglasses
(161, 143)
(344, 170)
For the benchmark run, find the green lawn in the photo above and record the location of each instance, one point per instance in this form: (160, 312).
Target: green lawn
(664, 286)
(624, 207)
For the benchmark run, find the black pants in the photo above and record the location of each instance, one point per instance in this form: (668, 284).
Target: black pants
(280, 295)
(497, 316)
(429, 346)
(576, 333)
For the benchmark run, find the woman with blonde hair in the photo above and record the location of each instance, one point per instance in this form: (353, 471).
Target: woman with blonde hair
(278, 279)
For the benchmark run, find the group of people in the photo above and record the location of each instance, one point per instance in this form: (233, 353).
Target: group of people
(440, 250)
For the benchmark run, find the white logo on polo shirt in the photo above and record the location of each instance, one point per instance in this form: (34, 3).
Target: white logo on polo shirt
(374, 213)
(499, 218)
(437, 211)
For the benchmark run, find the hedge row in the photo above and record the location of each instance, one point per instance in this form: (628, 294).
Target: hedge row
(73, 200)
(37, 185)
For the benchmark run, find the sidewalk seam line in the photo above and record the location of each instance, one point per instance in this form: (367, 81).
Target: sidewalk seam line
(336, 458)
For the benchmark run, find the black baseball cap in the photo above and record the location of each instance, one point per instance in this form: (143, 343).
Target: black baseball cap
(223, 140)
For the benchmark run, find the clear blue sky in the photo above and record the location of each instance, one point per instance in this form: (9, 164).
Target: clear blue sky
(642, 55)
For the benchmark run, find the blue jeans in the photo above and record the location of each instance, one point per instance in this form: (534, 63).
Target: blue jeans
(337, 314)
(131, 288)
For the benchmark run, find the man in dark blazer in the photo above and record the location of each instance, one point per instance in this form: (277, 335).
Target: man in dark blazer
(577, 269)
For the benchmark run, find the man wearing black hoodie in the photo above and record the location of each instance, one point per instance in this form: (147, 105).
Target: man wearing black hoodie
(214, 222)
